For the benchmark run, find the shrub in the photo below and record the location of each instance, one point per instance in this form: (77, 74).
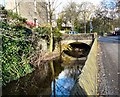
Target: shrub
(16, 49)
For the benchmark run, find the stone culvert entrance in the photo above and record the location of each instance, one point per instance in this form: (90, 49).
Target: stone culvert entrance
(77, 50)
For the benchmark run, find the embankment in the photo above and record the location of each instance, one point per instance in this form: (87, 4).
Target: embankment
(87, 80)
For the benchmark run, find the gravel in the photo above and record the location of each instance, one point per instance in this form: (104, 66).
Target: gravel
(102, 83)
(108, 69)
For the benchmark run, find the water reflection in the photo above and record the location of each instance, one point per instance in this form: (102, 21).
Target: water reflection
(52, 79)
(37, 83)
(65, 81)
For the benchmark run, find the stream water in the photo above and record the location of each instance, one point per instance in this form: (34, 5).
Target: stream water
(54, 78)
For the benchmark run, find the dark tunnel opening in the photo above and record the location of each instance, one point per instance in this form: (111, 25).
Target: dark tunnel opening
(77, 50)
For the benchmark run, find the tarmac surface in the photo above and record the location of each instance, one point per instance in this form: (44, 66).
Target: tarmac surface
(109, 66)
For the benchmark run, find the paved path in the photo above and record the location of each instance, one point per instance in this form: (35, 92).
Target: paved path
(109, 65)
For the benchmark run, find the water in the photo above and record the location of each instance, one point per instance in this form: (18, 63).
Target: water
(53, 79)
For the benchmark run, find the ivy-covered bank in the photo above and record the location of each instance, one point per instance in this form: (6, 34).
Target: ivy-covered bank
(20, 43)
(19, 46)
(16, 49)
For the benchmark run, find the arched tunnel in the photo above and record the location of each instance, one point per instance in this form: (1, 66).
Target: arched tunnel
(77, 49)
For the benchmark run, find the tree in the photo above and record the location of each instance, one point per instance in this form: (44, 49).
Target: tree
(70, 13)
(85, 10)
(51, 12)
(118, 13)
(77, 25)
(77, 14)
(59, 23)
(50, 7)
(105, 16)
(118, 5)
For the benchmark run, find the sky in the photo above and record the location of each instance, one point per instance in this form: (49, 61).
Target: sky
(79, 1)
(65, 2)
(2, 2)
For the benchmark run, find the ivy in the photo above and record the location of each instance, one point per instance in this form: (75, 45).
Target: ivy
(16, 50)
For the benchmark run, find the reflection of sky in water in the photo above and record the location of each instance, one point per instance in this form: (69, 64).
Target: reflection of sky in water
(65, 82)
(111, 4)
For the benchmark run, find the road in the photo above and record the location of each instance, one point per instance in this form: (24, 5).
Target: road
(109, 71)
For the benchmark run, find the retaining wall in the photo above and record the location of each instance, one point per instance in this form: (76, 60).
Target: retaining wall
(87, 81)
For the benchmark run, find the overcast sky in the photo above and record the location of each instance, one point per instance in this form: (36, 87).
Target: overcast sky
(65, 2)
(1, 1)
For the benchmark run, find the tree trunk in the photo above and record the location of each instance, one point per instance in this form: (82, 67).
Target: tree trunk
(51, 42)
(85, 27)
(84, 23)
(51, 32)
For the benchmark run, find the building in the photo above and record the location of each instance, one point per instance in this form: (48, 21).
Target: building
(34, 10)
(3, 13)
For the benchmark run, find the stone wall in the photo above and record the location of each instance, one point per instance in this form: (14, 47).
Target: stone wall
(87, 81)
(81, 36)
(29, 9)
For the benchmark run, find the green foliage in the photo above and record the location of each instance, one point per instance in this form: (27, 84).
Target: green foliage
(14, 16)
(67, 31)
(4, 25)
(16, 49)
(77, 25)
(57, 35)
(103, 24)
(42, 30)
(59, 23)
